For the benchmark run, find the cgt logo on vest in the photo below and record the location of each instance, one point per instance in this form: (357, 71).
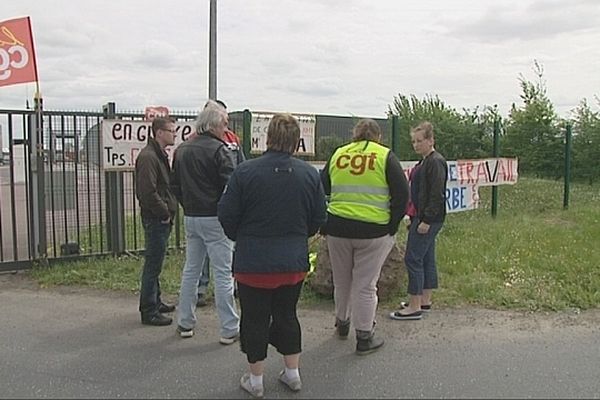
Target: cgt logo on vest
(357, 163)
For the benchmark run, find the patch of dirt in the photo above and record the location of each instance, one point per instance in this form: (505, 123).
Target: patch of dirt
(18, 280)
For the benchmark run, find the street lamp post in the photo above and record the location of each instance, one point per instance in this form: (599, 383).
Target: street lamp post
(212, 50)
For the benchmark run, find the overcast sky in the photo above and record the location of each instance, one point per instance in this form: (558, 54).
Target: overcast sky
(342, 57)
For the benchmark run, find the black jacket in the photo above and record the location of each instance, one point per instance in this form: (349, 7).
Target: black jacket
(202, 167)
(433, 175)
(271, 206)
(152, 189)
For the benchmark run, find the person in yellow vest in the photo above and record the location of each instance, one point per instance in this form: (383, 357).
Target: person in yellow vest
(368, 193)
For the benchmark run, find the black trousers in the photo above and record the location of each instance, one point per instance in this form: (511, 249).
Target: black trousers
(269, 316)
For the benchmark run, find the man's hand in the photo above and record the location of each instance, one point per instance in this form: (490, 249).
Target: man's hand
(166, 221)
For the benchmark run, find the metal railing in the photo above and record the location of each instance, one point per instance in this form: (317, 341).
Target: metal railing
(56, 200)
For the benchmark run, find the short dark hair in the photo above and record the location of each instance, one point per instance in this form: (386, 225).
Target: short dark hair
(283, 133)
(161, 123)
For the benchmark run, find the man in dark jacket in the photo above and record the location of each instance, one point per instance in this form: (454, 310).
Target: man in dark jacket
(158, 207)
(233, 143)
(201, 169)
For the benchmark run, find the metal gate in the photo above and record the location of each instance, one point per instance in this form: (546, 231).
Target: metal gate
(55, 200)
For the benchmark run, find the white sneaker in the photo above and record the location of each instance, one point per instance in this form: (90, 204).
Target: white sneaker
(294, 384)
(255, 391)
(185, 332)
(229, 340)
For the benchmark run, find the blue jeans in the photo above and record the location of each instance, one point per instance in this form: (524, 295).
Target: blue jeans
(420, 258)
(157, 235)
(204, 277)
(205, 237)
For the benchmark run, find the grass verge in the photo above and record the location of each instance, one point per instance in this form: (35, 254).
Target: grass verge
(534, 255)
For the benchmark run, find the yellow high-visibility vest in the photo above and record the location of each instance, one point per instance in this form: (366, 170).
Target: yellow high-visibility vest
(359, 190)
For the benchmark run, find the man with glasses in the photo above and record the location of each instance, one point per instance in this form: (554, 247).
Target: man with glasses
(158, 206)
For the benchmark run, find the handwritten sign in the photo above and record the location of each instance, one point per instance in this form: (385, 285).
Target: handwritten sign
(487, 172)
(123, 140)
(260, 124)
(466, 176)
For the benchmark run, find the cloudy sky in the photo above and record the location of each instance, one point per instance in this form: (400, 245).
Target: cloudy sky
(341, 57)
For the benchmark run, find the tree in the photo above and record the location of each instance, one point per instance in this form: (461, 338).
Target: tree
(457, 135)
(586, 142)
(532, 132)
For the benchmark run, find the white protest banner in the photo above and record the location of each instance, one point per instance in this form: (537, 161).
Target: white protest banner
(459, 197)
(260, 124)
(123, 140)
(465, 177)
(488, 171)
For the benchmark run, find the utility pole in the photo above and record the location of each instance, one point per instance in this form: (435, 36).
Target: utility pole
(212, 50)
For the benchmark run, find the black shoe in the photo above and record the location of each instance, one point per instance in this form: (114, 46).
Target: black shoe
(157, 320)
(165, 308)
(398, 316)
(342, 328)
(368, 346)
(201, 301)
(424, 307)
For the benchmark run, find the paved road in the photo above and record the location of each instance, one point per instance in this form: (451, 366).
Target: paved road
(82, 343)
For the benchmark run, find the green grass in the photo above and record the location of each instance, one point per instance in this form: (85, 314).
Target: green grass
(533, 256)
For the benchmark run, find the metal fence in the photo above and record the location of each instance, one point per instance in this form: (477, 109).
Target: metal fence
(57, 202)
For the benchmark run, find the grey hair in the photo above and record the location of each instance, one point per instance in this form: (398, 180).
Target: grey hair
(210, 117)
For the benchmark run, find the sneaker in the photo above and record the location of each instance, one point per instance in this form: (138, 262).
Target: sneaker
(229, 340)
(342, 328)
(406, 317)
(368, 346)
(255, 391)
(165, 308)
(294, 384)
(157, 320)
(185, 332)
(424, 307)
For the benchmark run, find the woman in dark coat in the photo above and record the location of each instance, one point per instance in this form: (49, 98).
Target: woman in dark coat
(270, 208)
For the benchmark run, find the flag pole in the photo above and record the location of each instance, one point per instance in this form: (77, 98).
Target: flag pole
(38, 171)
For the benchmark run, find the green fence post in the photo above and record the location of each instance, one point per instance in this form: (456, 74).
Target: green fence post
(246, 134)
(568, 137)
(495, 153)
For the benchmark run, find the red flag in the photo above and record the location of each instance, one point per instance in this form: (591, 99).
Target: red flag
(17, 55)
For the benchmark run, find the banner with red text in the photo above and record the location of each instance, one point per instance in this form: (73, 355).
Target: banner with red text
(123, 140)
(17, 55)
